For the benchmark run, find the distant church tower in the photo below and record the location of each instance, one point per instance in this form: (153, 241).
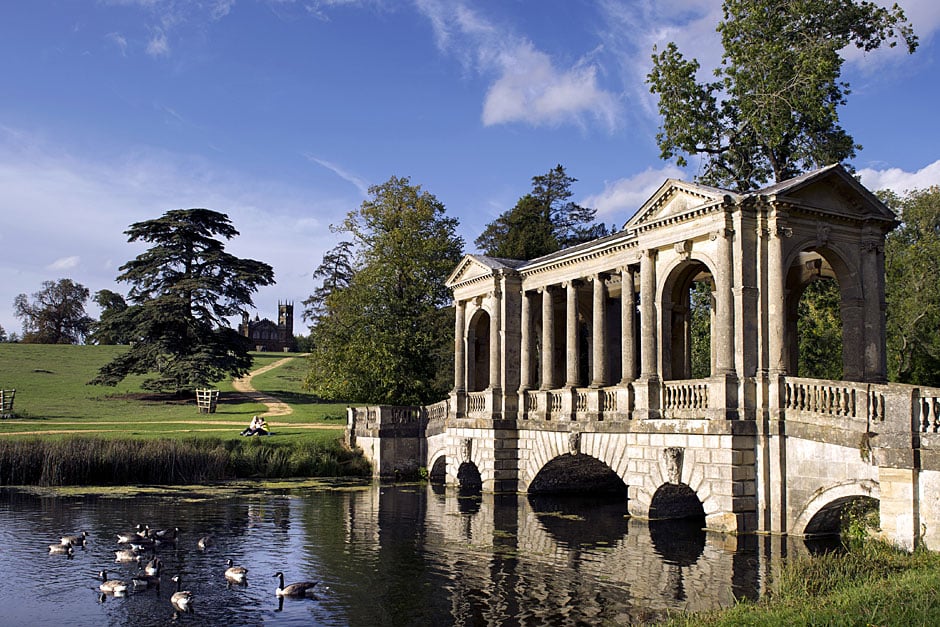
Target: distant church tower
(285, 321)
(265, 335)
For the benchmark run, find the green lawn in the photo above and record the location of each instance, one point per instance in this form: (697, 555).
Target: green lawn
(53, 399)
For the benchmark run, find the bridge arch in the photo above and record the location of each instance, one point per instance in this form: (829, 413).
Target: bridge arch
(823, 510)
(478, 350)
(809, 261)
(676, 315)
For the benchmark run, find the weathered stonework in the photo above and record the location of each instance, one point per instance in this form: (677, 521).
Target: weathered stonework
(761, 449)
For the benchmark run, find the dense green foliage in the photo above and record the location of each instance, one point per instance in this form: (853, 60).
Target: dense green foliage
(772, 111)
(56, 314)
(384, 334)
(543, 221)
(108, 330)
(700, 306)
(183, 288)
(819, 328)
(912, 285)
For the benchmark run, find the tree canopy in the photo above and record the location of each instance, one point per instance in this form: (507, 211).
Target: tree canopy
(772, 111)
(56, 315)
(383, 333)
(183, 289)
(912, 268)
(109, 328)
(543, 221)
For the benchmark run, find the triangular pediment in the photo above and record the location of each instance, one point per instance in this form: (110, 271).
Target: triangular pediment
(675, 197)
(472, 267)
(831, 190)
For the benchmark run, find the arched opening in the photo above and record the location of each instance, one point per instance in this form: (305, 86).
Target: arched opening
(437, 474)
(674, 501)
(469, 479)
(689, 317)
(819, 329)
(819, 305)
(478, 352)
(841, 515)
(577, 474)
(580, 500)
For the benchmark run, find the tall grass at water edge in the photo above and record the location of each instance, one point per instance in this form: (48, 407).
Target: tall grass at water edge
(98, 461)
(870, 584)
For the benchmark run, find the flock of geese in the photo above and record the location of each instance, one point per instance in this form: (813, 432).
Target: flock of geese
(143, 540)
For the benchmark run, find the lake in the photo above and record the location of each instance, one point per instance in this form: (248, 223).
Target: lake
(403, 554)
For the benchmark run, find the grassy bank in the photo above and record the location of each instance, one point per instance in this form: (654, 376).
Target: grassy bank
(66, 432)
(871, 584)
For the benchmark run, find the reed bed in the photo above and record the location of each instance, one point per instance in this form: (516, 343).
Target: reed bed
(98, 461)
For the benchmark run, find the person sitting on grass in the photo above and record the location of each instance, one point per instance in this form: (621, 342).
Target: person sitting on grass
(258, 426)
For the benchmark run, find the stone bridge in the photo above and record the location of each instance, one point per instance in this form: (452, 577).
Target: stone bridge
(574, 371)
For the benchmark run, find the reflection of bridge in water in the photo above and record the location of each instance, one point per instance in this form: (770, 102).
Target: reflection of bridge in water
(574, 370)
(510, 559)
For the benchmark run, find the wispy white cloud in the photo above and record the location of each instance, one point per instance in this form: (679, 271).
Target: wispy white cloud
(528, 85)
(360, 183)
(900, 181)
(620, 199)
(158, 46)
(119, 40)
(65, 263)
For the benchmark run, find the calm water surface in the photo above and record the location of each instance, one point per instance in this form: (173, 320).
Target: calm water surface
(384, 555)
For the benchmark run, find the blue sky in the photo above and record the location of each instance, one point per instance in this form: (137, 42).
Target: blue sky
(281, 114)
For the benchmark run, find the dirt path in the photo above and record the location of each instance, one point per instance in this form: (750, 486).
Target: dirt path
(276, 407)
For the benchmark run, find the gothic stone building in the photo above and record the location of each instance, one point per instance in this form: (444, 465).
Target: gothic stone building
(266, 335)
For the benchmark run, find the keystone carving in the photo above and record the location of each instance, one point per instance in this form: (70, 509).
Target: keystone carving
(673, 458)
(467, 446)
(574, 442)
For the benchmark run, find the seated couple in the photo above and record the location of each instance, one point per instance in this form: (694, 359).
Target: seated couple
(258, 426)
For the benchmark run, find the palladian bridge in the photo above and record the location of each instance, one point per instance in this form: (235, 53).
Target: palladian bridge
(573, 371)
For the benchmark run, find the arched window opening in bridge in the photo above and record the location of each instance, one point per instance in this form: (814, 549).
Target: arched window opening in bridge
(819, 327)
(820, 295)
(689, 316)
(478, 349)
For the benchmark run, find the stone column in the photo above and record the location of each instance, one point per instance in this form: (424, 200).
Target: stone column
(548, 338)
(571, 335)
(495, 332)
(525, 357)
(460, 357)
(872, 252)
(627, 325)
(599, 335)
(724, 355)
(649, 327)
(776, 313)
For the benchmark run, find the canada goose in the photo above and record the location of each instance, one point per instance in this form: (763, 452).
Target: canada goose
(78, 540)
(205, 542)
(126, 555)
(126, 537)
(145, 581)
(165, 535)
(299, 589)
(153, 566)
(236, 574)
(115, 586)
(181, 599)
(143, 544)
(62, 549)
